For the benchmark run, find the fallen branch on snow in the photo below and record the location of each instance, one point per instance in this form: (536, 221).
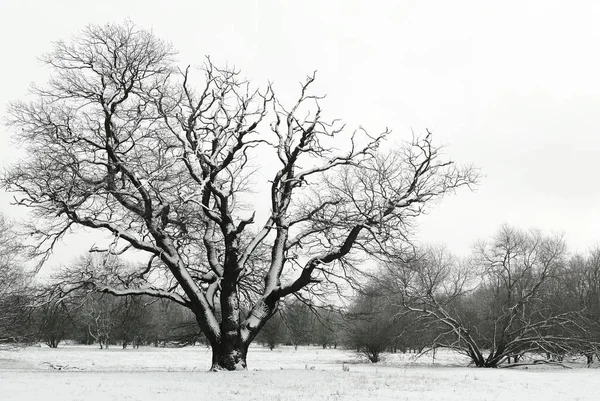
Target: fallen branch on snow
(538, 362)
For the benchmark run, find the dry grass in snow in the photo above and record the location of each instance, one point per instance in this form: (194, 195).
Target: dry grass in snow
(87, 373)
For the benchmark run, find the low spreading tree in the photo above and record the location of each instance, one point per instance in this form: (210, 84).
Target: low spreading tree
(495, 306)
(124, 142)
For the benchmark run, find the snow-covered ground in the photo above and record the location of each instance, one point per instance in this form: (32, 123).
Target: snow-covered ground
(310, 373)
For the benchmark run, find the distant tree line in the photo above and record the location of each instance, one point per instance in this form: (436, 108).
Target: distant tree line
(297, 323)
(106, 320)
(518, 293)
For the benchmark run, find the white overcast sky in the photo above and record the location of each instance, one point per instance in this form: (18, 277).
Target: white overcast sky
(511, 86)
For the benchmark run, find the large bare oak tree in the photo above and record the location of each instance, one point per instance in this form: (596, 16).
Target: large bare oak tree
(167, 160)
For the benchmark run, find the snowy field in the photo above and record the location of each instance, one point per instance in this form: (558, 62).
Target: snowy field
(310, 373)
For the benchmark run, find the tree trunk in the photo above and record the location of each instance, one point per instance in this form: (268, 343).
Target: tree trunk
(230, 338)
(229, 356)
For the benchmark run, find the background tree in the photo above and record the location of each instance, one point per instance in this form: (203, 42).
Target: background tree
(15, 297)
(370, 324)
(172, 324)
(133, 321)
(493, 308)
(53, 322)
(123, 141)
(326, 327)
(412, 333)
(273, 333)
(297, 317)
(578, 289)
(99, 315)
